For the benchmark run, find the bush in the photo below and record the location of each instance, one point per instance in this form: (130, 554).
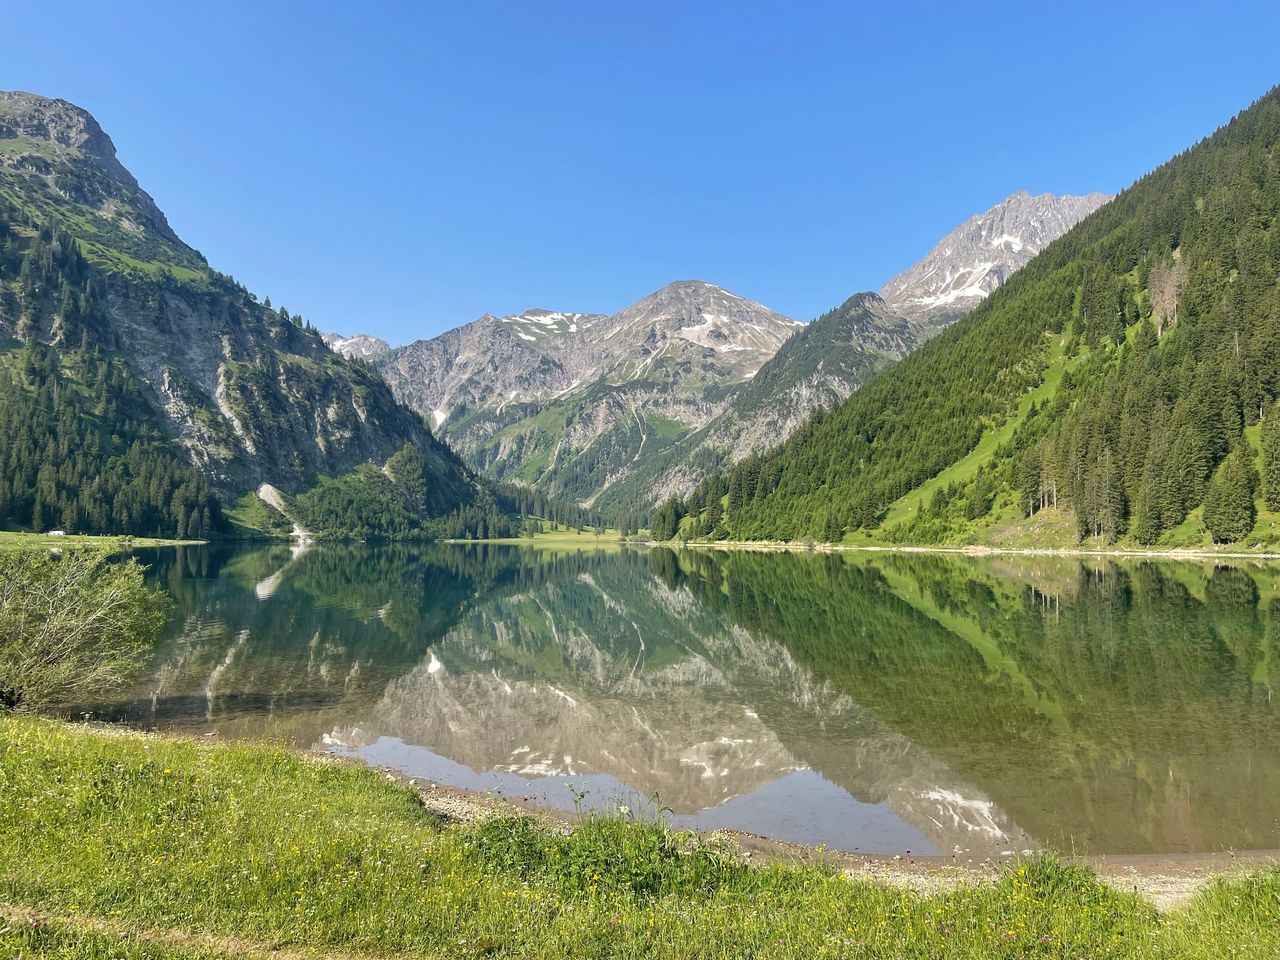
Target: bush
(606, 854)
(71, 624)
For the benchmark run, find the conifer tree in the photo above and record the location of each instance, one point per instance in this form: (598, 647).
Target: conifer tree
(1229, 512)
(1271, 458)
(1146, 513)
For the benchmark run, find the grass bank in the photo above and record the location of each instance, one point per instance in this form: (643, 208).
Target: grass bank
(19, 540)
(562, 539)
(116, 844)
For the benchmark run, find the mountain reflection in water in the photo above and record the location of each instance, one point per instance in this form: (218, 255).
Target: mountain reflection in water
(872, 702)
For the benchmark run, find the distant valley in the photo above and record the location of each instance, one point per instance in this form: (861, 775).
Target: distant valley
(618, 412)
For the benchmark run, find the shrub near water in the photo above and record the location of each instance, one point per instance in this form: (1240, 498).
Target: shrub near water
(604, 854)
(71, 623)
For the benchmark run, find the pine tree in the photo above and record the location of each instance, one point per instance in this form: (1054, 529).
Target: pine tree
(1146, 512)
(1271, 458)
(1229, 511)
(38, 512)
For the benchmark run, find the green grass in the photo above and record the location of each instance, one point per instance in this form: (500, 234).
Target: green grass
(665, 429)
(906, 508)
(110, 258)
(19, 540)
(29, 146)
(250, 516)
(563, 539)
(138, 846)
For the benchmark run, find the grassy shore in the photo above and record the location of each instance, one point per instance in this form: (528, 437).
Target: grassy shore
(117, 844)
(1220, 552)
(19, 540)
(562, 539)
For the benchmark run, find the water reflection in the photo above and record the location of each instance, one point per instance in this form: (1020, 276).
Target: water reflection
(873, 702)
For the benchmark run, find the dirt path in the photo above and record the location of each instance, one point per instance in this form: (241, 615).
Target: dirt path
(174, 937)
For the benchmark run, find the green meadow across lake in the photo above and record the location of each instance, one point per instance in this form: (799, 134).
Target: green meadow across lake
(902, 704)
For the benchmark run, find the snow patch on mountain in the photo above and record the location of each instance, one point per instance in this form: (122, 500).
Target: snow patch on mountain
(358, 347)
(973, 260)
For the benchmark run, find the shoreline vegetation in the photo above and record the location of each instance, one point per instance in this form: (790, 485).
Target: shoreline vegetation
(23, 540)
(570, 538)
(977, 550)
(119, 843)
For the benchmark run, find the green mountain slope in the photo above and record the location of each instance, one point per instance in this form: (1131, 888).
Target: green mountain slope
(142, 387)
(1098, 394)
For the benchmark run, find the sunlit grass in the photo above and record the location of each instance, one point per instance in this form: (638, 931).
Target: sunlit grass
(21, 540)
(228, 850)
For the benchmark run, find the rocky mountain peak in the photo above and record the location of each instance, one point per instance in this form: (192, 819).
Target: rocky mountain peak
(58, 124)
(743, 334)
(358, 347)
(249, 398)
(982, 253)
(62, 144)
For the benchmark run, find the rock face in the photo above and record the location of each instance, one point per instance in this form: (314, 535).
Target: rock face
(57, 140)
(982, 253)
(492, 363)
(570, 402)
(360, 347)
(248, 394)
(821, 365)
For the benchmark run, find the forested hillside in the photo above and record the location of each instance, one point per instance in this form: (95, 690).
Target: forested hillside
(80, 448)
(1122, 386)
(142, 392)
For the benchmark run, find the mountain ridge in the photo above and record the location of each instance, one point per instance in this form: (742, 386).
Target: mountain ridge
(1119, 388)
(569, 401)
(817, 367)
(245, 393)
(979, 255)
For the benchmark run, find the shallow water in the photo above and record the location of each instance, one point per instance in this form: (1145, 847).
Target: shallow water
(877, 703)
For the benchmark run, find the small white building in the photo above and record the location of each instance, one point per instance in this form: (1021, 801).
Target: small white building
(57, 533)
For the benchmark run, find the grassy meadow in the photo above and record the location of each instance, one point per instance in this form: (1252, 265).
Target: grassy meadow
(116, 844)
(21, 540)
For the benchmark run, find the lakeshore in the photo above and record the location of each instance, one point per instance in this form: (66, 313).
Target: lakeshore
(199, 849)
(22, 540)
(1168, 881)
(974, 550)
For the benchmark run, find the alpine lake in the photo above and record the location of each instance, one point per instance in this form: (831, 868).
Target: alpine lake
(882, 703)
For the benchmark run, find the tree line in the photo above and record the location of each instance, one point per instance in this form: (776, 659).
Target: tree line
(1160, 314)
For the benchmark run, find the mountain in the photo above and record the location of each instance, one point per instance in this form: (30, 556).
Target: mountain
(836, 354)
(814, 369)
(570, 403)
(360, 347)
(973, 260)
(507, 390)
(1121, 387)
(491, 363)
(143, 390)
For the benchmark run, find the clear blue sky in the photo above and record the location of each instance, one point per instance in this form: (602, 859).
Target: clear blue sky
(403, 168)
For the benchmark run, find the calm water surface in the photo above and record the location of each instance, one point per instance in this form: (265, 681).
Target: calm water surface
(877, 703)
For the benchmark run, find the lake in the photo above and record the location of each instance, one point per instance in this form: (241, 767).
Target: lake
(879, 703)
